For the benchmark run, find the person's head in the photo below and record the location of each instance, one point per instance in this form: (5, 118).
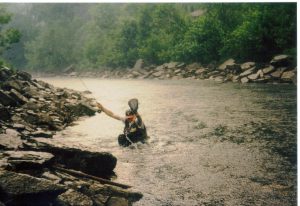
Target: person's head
(130, 115)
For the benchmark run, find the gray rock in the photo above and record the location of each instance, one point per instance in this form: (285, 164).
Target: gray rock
(24, 76)
(80, 109)
(117, 201)
(158, 74)
(41, 133)
(224, 65)
(268, 69)
(47, 175)
(18, 127)
(244, 80)
(19, 160)
(77, 159)
(6, 100)
(247, 65)
(73, 198)
(13, 84)
(172, 65)
(109, 190)
(139, 64)
(99, 200)
(281, 60)
(200, 71)
(18, 97)
(10, 141)
(253, 76)
(15, 184)
(4, 113)
(278, 72)
(289, 76)
(248, 72)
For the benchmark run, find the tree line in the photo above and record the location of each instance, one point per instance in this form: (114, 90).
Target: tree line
(51, 37)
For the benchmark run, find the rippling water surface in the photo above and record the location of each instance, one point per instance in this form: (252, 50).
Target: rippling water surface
(211, 144)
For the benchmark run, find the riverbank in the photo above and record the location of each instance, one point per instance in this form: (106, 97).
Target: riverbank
(279, 70)
(33, 170)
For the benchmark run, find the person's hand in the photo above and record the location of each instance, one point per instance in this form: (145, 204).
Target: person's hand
(99, 105)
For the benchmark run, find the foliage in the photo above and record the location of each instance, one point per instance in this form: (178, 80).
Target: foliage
(8, 36)
(55, 36)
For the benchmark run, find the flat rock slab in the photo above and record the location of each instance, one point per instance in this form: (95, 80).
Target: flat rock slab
(94, 163)
(28, 159)
(14, 184)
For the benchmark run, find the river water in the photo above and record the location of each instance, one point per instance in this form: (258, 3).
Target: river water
(210, 143)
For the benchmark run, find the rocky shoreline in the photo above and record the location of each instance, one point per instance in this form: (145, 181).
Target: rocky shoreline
(279, 70)
(33, 171)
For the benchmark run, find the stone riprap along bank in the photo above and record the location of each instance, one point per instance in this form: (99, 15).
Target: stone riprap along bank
(31, 112)
(279, 70)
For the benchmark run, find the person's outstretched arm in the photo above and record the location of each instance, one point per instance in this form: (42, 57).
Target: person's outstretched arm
(109, 113)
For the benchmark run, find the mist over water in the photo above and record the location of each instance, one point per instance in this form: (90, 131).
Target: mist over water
(210, 144)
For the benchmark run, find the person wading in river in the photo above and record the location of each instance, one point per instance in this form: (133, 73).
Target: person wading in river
(134, 130)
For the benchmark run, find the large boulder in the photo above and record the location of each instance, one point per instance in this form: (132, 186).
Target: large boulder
(24, 76)
(94, 163)
(117, 201)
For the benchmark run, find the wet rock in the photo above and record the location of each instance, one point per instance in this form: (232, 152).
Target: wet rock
(24, 160)
(4, 113)
(18, 97)
(6, 100)
(10, 141)
(117, 201)
(73, 198)
(281, 61)
(268, 69)
(21, 184)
